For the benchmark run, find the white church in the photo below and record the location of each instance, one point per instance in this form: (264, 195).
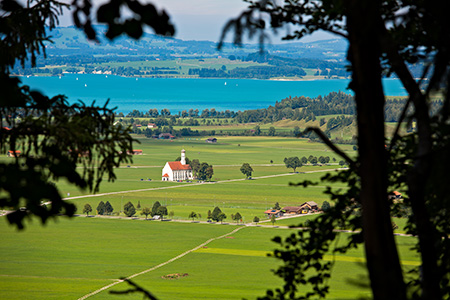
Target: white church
(177, 170)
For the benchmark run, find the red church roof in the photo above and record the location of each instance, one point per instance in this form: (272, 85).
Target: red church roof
(165, 175)
(176, 165)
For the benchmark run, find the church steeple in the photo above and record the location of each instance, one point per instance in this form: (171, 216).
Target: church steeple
(183, 157)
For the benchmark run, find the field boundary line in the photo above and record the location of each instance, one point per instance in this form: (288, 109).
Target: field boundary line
(161, 264)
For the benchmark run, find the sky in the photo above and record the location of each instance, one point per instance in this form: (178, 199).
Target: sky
(202, 19)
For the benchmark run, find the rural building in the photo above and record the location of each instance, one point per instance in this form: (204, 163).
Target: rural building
(211, 140)
(310, 205)
(292, 210)
(13, 153)
(177, 170)
(395, 195)
(136, 152)
(166, 136)
(152, 125)
(276, 212)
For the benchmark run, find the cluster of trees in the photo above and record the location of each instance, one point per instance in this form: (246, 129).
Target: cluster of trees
(104, 208)
(292, 162)
(191, 113)
(156, 210)
(295, 162)
(332, 72)
(339, 121)
(279, 61)
(301, 108)
(216, 215)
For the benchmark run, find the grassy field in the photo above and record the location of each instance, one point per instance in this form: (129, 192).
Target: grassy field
(229, 190)
(71, 258)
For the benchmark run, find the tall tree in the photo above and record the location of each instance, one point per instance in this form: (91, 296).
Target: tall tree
(87, 209)
(108, 208)
(155, 207)
(128, 209)
(205, 171)
(146, 211)
(273, 219)
(222, 216)
(237, 217)
(162, 211)
(246, 169)
(101, 208)
(292, 162)
(215, 214)
(384, 37)
(192, 215)
(195, 165)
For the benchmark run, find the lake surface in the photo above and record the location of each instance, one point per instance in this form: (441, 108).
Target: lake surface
(143, 94)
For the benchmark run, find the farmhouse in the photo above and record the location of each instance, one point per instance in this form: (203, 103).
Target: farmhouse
(12, 153)
(177, 170)
(395, 195)
(211, 140)
(151, 125)
(166, 136)
(276, 212)
(292, 210)
(310, 205)
(136, 152)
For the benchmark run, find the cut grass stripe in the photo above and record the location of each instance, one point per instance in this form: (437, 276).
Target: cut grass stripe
(265, 253)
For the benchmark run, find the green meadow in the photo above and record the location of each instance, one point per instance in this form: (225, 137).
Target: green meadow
(140, 181)
(71, 258)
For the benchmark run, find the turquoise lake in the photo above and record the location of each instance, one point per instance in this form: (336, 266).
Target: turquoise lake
(143, 94)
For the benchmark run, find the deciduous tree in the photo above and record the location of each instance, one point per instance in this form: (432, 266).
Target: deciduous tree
(222, 216)
(273, 219)
(325, 206)
(215, 214)
(155, 207)
(162, 211)
(146, 211)
(87, 209)
(292, 162)
(246, 169)
(237, 217)
(192, 215)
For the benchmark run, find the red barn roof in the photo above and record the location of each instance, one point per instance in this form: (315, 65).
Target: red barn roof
(176, 165)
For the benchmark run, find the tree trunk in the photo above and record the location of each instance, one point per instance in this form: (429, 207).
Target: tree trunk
(363, 20)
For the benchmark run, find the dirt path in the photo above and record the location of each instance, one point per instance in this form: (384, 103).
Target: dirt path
(160, 265)
(194, 184)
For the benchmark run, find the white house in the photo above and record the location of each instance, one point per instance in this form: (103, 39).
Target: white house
(177, 170)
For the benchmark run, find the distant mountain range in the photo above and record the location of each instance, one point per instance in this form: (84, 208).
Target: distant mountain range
(70, 40)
